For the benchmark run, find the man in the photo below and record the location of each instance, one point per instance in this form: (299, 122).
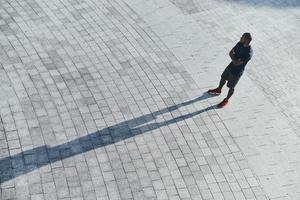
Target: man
(240, 55)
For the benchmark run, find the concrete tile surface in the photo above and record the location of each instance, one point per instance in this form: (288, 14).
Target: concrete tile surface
(107, 100)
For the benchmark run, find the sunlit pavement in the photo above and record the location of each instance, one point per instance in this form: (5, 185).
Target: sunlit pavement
(106, 100)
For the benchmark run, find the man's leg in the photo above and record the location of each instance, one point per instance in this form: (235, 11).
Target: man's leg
(224, 78)
(225, 101)
(230, 93)
(218, 90)
(232, 81)
(222, 83)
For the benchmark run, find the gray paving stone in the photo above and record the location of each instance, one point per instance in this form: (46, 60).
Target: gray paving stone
(94, 89)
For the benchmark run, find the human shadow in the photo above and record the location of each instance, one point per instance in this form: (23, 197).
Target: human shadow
(269, 3)
(29, 160)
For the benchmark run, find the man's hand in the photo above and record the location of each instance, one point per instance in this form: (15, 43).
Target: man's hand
(237, 62)
(232, 55)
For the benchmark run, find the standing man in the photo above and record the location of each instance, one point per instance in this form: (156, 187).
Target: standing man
(240, 55)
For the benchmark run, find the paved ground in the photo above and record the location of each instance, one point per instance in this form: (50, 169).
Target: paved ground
(105, 100)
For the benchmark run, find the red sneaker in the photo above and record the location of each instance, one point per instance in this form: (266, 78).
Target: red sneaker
(216, 91)
(223, 103)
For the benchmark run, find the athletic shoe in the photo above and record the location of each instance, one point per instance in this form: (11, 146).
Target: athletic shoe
(223, 103)
(216, 91)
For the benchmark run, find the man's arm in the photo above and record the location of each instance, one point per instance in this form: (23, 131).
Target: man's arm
(237, 62)
(232, 55)
(243, 59)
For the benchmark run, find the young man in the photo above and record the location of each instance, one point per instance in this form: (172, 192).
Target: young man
(240, 55)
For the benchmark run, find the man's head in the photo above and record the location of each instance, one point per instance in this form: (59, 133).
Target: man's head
(246, 38)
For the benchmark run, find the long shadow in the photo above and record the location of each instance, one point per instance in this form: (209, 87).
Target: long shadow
(269, 3)
(27, 161)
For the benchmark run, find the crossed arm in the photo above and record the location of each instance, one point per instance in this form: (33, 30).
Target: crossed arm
(235, 61)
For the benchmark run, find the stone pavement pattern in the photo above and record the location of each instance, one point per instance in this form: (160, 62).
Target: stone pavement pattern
(98, 101)
(263, 127)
